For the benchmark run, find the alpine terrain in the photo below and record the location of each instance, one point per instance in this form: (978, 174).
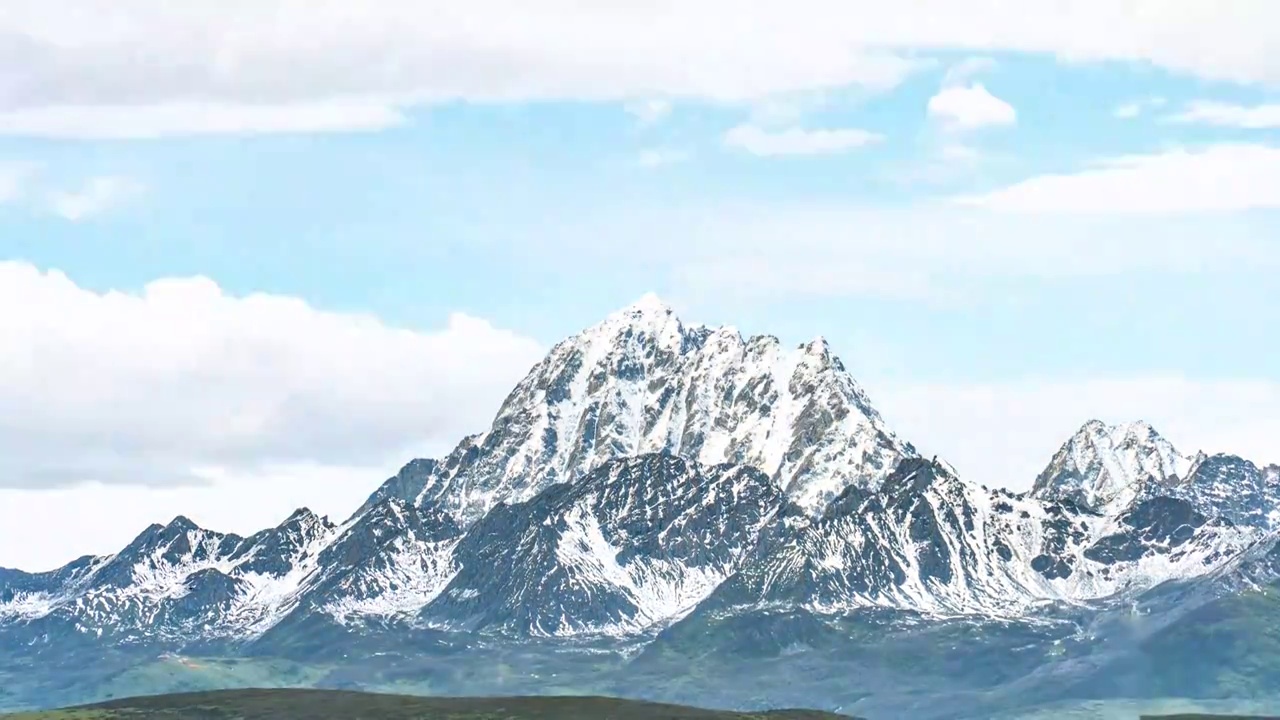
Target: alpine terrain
(677, 512)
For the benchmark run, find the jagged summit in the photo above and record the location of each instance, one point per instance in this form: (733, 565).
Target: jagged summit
(649, 312)
(181, 522)
(648, 305)
(1106, 467)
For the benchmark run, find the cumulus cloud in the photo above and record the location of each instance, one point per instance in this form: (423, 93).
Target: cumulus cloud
(180, 380)
(127, 58)
(1004, 433)
(1216, 178)
(970, 107)
(1209, 112)
(798, 141)
(98, 195)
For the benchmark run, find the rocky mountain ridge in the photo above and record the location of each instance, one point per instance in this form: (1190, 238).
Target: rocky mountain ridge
(646, 470)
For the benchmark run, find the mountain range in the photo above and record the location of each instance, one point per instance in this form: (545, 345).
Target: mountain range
(659, 491)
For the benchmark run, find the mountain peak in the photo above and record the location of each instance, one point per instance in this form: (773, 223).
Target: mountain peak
(649, 309)
(642, 382)
(1140, 429)
(181, 523)
(647, 317)
(817, 346)
(1107, 466)
(648, 304)
(305, 516)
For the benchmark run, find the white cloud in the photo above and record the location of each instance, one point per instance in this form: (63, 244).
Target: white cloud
(98, 195)
(1217, 178)
(966, 69)
(124, 122)
(388, 54)
(1208, 112)
(108, 516)
(957, 152)
(649, 112)
(1133, 109)
(168, 385)
(1128, 110)
(927, 252)
(659, 157)
(970, 107)
(1003, 434)
(798, 141)
(775, 112)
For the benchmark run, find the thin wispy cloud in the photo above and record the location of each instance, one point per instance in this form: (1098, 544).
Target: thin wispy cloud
(660, 157)
(126, 122)
(649, 112)
(14, 177)
(1217, 178)
(97, 196)
(1248, 117)
(798, 141)
(967, 69)
(1135, 108)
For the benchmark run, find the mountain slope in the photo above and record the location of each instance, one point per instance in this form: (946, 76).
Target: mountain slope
(636, 542)
(1234, 488)
(930, 543)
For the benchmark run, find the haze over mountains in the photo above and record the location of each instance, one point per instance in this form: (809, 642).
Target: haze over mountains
(648, 480)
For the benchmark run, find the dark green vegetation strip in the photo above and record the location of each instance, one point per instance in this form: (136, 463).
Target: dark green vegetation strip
(295, 704)
(1195, 716)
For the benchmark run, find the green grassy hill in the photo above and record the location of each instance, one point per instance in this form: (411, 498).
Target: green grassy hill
(298, 704)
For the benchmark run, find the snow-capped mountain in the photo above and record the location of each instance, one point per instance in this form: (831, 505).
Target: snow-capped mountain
(643, 382)
(1108, 468)
(646, 468)
(1105, 467)
(174, 581)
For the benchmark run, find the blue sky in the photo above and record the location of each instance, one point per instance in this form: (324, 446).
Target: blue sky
(1003, 231)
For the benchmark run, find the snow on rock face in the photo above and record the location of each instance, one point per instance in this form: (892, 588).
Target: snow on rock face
(932, 543)
(1233, 488)
(637, 542)
(391, 562)
(1106, 467)
(643, 382)
(645, 467)
(182, 581)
